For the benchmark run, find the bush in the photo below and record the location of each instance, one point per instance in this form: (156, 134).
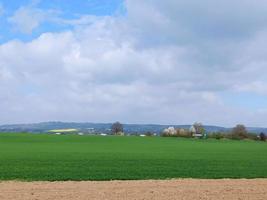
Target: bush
(165, 134)
(252, 136)
(148, 134)
(183, 133)
(169, 135)
(234, 137)
(262, 137)
(217, 135)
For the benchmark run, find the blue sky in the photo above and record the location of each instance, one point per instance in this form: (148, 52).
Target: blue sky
(168, 62)
(66, 8)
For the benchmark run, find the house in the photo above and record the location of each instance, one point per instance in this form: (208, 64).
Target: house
(194, 132)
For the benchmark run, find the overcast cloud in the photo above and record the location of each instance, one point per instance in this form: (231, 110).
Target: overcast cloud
(169, 62)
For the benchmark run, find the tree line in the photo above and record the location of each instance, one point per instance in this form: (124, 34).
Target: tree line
(239, 132)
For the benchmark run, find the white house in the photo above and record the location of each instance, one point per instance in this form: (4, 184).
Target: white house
(194, 132)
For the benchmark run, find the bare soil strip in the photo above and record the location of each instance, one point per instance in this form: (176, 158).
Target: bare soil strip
(134, 190)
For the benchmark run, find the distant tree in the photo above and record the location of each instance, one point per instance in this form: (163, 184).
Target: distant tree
(180, 132)
(262, 137)
(117, 128)
(239, 132)
(169, 131)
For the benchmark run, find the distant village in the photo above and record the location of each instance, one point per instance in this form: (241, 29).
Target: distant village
(197, 130)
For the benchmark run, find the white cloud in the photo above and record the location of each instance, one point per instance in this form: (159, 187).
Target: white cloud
(27, 18)
(162, 63)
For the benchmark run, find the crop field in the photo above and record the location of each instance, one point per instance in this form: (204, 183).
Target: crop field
(69, 157)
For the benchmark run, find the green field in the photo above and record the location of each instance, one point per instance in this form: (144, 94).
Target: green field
(69, 157)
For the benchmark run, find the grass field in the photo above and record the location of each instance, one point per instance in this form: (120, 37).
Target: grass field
(69, 157)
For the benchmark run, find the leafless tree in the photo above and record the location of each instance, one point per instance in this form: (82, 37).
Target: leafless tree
(116, 128)
(240, 132)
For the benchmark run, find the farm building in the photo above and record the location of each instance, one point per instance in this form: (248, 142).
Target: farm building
(194, 132)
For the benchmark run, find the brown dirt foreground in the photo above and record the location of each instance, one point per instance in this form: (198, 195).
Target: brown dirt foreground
(135, 190)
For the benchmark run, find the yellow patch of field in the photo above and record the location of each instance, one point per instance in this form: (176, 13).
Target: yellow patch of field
(63, 130)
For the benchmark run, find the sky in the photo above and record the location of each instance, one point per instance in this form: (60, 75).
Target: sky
(134, 61)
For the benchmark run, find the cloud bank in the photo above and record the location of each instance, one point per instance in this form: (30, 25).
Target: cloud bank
(163, 62)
